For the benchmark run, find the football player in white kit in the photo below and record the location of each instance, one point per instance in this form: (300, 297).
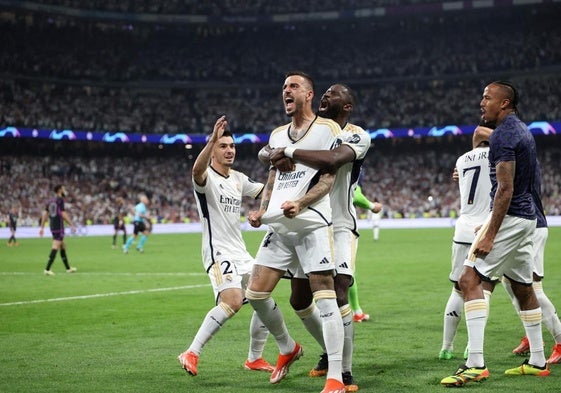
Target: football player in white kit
(347, 158)
(472, 174)
(219, 190)
(300, 232)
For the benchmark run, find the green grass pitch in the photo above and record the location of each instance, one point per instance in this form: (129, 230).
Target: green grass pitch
(118, 324)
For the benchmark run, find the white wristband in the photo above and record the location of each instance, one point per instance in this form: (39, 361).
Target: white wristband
(289, 151)
(372, 206)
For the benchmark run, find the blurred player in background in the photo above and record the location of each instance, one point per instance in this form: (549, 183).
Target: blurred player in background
(142, 225)
(472, 174)
(336, 103)
(219, 191)
(13, 216)
(375, 218)
(56, 214)
(119, 222)
(375, 209)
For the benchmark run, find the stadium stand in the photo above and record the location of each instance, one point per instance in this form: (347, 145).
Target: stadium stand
(102, 74)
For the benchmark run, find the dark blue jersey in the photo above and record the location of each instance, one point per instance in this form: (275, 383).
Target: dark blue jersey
(512, 141)
(55, 207)
(537, 195)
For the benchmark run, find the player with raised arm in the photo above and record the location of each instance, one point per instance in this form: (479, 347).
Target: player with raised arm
(219, 190)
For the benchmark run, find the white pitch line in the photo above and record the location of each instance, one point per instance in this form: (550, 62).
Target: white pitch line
(99, 295)
(108, 274)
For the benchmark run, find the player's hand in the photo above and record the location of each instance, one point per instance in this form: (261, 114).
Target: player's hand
(377, 207)
(280, 161)
(264, 155)
(219, 128)
(41, 232)
(254, 218)
(290, 209)
(455, 175)
(483, 247)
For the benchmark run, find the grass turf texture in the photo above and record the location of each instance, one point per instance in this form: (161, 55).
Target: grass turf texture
(118, 324)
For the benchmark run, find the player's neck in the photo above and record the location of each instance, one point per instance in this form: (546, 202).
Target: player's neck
(221, 169)
(301, 124)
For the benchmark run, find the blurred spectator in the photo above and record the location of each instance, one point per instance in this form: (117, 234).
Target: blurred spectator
(423, 167)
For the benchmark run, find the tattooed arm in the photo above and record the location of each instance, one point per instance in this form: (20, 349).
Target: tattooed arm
(319, 190)
(254, 217)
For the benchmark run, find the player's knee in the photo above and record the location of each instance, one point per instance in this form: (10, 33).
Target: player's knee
(301, 295)
(324, 294)
(228, 309)
(253, 296)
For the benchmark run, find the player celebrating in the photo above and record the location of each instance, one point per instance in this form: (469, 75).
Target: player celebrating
(337, 103)
(503, 245)
(219, 191)
(299, 237)
(472, 174)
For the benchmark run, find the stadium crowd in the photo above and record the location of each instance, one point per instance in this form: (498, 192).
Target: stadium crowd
(411, 72)
(402, 174)
(223, 7)
(62, 72)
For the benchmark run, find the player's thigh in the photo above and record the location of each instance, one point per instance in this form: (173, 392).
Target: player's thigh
(512, 251)
(276, 251)
(459, 255)
(540, 239)
(345, 247)
(224, 279)
(314, 251)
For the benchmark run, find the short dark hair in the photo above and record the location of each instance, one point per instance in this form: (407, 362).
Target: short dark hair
(57, 188)
(303, 75)
(511, 92)
(352, 94)
(228, 133)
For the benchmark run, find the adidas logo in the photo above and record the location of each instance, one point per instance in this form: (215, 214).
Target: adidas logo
(344, 265)
(324, 261)
(453, 314)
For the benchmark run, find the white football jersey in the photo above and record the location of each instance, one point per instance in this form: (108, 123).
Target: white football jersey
(475, 192)
(344, 212)
(219, 203)
(290, 186)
